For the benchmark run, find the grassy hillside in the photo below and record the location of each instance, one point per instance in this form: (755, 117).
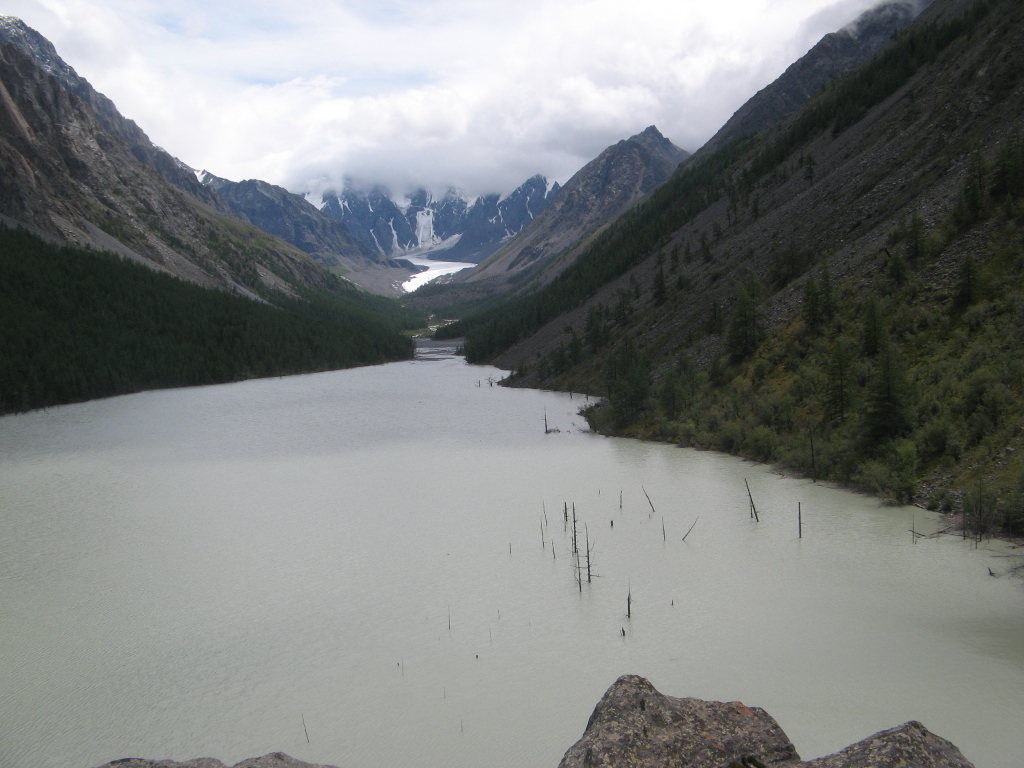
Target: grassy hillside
(79, 324)
(850, 279)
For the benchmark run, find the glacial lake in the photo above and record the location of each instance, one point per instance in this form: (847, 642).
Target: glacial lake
(348, 567)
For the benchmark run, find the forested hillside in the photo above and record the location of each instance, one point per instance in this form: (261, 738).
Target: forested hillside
(79, 324)
(841, 294)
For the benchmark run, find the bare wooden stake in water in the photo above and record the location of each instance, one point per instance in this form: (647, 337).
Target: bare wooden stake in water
(542, 544)
(653, 510)
(799, 522)
(449, 618)
(577, 571)
(304, 728)
(629, 602)
(586, 534)
(545, 508)
(691, 527)
(620, 498)
(753, 509)
(546, 430)
(663, 538)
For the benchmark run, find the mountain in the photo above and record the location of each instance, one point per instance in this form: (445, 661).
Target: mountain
(850, 279)
(292, 218)
(627, 172)
(836, 53)
(449, 228)
(98, 227)
(100, 171)
(41, 51)
(614, 181)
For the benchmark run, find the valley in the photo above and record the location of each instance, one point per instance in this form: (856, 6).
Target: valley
(282, 465)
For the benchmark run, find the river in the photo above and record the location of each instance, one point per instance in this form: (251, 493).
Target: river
(348, 567)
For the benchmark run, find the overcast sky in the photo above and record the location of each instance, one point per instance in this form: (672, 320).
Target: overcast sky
(481, 94)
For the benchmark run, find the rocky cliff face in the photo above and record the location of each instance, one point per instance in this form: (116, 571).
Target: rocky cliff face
(834, 54)
(41, 51)
(448, 227)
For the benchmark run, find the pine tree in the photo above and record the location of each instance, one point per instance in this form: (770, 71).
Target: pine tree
(658, 290)
(888, 406)
(812, 303)
(969, 287)
(840, 385)
(827, 295)
(629, 382)
(745, 330)
(874, 327)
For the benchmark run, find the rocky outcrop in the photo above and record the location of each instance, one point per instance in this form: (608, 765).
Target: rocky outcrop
(634, 725)
(273, 760)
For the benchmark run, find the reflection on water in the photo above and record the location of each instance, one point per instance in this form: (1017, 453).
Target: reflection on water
(198, 571)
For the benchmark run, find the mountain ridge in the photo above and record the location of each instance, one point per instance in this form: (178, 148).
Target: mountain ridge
(450, 227)
(849, 276)
(837, 52)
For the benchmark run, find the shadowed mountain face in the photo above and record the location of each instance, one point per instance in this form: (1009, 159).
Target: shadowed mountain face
(448, 228)
(836, 53)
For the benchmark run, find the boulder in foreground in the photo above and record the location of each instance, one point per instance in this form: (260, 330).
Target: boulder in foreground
(636, 726)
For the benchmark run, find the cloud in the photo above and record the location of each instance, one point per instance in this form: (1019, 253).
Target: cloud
(476, 93)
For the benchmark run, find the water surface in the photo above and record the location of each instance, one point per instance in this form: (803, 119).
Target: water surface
(203, 571)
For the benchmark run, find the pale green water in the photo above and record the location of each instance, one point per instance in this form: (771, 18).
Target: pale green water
(193, 572)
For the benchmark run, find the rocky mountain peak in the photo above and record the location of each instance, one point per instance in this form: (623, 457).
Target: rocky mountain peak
(653, 140)
(618, 178)
(15, 31)
(454, 227)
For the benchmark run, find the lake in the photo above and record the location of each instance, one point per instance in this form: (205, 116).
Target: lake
(349, 567)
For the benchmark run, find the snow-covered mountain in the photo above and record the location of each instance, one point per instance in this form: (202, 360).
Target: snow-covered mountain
(448, 227)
